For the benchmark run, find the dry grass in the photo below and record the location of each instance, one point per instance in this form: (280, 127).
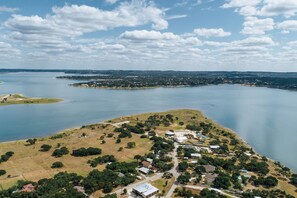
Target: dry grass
(31, 164)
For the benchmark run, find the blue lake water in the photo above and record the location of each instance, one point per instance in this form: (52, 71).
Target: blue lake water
(265, 118)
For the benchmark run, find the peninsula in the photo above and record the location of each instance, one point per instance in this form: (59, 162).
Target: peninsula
(116, 79)
(178, 153)
(13, 99)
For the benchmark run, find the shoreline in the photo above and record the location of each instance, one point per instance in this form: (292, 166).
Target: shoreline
(20, 99)
(145, 113)
(180, 86)
(71, 138)
(152, 112)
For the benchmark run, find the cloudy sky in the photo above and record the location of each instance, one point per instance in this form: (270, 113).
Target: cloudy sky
(149, 34)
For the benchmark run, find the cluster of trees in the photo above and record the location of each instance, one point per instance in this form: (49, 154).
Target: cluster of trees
(109, 178)
(156, 120)
(81, 152)
(125, 130)
(266, 193)
(161, 147)
(59, 152)
(204, 127)
(102, 160)
(226, 164)
(61, 185)
(294, 179)
(258, 167)
(45, 147)
(184, 178)
(205, 193)
(140, 128)
(183, 166)
(267, 182)
(222, 181)
(5, 157)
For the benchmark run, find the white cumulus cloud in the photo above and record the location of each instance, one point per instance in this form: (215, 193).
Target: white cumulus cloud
(286, 8)
(240, 3)
(203, 32)
(254, 25)
(288, 26)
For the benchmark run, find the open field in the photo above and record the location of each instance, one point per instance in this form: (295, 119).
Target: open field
(31, 164)
(12, 99)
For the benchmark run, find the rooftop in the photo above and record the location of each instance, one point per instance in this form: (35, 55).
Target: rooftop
(146, 189)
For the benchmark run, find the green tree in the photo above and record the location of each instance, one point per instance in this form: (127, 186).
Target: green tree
(57, 165)
(131, 145)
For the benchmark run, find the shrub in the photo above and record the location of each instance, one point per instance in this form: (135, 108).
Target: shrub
(131, 145)
(31, 141)
(45, 147)
(60, 152)
(2, 172)
(118, 141)
(57, 165)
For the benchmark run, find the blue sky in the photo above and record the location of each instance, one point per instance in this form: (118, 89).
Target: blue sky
(243, 35)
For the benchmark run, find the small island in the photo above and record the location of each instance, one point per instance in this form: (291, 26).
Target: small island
(179, 153)
(13, 99)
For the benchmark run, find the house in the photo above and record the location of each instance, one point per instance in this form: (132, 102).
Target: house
(146, 164)
(195, 155)
(181, 139)
(80, 189)
(209, 168)
(248, 154)
(149, 160)
(144, 170)
(170, 134)
(209, 178)
(214, 146)
(145, 190)
(194, 162)
(201, 136)
(28, 188)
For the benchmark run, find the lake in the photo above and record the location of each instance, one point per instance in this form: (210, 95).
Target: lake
(265, 118)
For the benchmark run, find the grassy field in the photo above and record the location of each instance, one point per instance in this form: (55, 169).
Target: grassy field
(13, 99)
(29, 163)
(162, 186)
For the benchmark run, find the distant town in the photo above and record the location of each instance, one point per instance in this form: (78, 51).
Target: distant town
(150, 79)
(178, 153)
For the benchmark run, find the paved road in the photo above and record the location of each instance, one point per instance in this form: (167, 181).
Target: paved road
(174, 172)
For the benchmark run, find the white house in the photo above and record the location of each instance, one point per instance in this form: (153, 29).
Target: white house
(195, 155)
(214, 146)
(144, 170)
(170, 133)
(145, 190)
(181, 139)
